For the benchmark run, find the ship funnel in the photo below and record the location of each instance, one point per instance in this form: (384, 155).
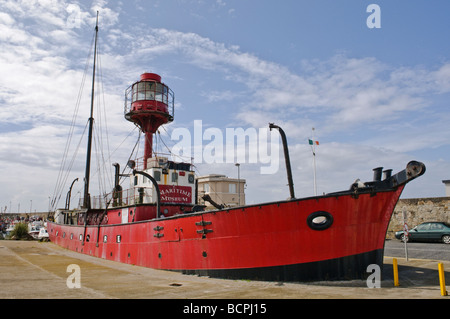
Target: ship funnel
(116, 174)
(387, 173)
(117, 191)
(377, 174)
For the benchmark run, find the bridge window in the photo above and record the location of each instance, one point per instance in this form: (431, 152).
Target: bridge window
(157, 175)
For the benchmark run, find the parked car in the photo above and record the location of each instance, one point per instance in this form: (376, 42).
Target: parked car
(426, 232)
(43, 234)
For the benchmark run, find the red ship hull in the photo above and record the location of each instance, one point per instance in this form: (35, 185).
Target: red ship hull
(272, 241)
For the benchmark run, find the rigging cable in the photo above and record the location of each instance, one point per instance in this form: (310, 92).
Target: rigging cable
(65, 167)
(100, 131)
(170, 151)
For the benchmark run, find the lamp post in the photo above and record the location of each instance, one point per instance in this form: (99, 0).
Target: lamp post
(239, 183)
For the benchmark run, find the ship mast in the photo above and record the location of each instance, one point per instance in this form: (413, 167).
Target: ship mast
(87, 201)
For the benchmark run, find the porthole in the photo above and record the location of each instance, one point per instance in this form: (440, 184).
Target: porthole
(319, 220)
(105, 238)
(118, 238)
(80, 237)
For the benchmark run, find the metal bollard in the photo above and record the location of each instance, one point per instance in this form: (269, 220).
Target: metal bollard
(442, 279)
(395, 266)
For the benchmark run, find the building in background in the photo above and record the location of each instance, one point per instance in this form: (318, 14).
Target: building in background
(222, 190)
(447, 187)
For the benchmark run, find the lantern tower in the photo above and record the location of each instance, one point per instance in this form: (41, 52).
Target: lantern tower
(149, 103)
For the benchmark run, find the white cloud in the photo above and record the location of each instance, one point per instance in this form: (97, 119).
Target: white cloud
(42, 58)
(350, 91)
(6, 19)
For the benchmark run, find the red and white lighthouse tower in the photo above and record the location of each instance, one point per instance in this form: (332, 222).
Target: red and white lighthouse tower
(149, 103)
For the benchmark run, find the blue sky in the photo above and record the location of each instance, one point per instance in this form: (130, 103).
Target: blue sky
(376, 97)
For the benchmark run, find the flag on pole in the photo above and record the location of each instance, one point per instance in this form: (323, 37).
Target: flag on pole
(313, 144)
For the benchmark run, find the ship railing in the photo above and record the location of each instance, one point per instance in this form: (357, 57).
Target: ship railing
(139, 162)
(120, 199)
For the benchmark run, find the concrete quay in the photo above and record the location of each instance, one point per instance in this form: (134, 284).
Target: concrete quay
(35, 270)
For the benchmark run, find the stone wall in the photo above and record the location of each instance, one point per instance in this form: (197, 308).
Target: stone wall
(419, 210)
(26, 215)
